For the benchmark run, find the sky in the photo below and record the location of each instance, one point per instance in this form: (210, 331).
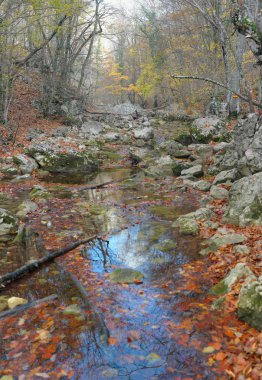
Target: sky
(125, 4)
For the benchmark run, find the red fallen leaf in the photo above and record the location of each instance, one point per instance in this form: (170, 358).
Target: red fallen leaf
(138, 282)
(220, 356)
(112, 341)
(47, 355)
(129, 339)
(170, 370)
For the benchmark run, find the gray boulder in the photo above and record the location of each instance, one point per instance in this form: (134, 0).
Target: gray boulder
(201, 185)
(226, 176)
(220, 240)
(250, 303)
(206, 129)
(70, 159)
(112, 137)
(125, 109)
(218, 192)
(146, 133)
(196, 171)
(245, 202)
(92, 128)
(248, 143)
(26, 164)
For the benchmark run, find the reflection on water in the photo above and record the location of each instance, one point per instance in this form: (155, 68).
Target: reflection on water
(135, 317)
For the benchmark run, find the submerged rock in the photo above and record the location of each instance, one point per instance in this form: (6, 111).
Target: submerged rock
(187, 225)
(13, 302)
(126, 276)
(250, 303)
(245, 202)
(26, 208)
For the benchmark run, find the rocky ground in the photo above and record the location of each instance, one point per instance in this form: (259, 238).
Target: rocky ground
(208, 156)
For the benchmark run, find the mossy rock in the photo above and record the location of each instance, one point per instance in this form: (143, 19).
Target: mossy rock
(166, 212)
(126, 276)
(166, 245)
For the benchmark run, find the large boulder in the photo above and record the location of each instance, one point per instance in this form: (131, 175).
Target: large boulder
(245, 202)
(26, 164)
(92, 128)
(146, 133)
(63, 156)
(8, 225)
(250, 303)
(248, 144)
(126, 109)
(206, 129)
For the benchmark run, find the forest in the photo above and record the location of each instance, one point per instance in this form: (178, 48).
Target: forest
(131, 189)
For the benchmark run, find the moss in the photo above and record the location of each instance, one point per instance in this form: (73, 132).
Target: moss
(219, 289)
(218, 304)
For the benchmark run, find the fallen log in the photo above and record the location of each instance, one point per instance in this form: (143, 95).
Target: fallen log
(27, 306)
(35, 264)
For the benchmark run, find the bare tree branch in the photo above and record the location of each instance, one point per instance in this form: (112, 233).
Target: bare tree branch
(242, 97)
(45, 42)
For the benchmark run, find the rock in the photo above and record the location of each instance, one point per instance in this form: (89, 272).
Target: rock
(202, 185)
(73, 309)
(8, 224)
(178, 166)
(73, 111)
(166, 245)
(221, 147)
(222, 240)
(92, 128)
(126, 109)
(250, 303)
(226, 176)
(242, 249)
(203, 150)
(34, 133)
(62, 131)
(20, 178)
(13, 302)
(217, 108)
(196, 171)
(245, 202)
(160, 168)
(218, 192)
(3, 303)
(26, 208)
(187, 225)
(240, 271)
(146, 133)
(247, 143)
(49, 156)
(112, 136)
(26, 164)
(39, 191)
(181, 154)
(138, 155)
(126, 276)
(204, 130)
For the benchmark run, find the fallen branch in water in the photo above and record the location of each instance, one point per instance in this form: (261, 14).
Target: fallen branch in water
(27, 306)
(101, 185)
(34, 265)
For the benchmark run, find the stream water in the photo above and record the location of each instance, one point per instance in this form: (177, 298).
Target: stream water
(123, 331)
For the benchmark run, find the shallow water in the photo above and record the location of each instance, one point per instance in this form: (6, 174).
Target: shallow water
(127, 332)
